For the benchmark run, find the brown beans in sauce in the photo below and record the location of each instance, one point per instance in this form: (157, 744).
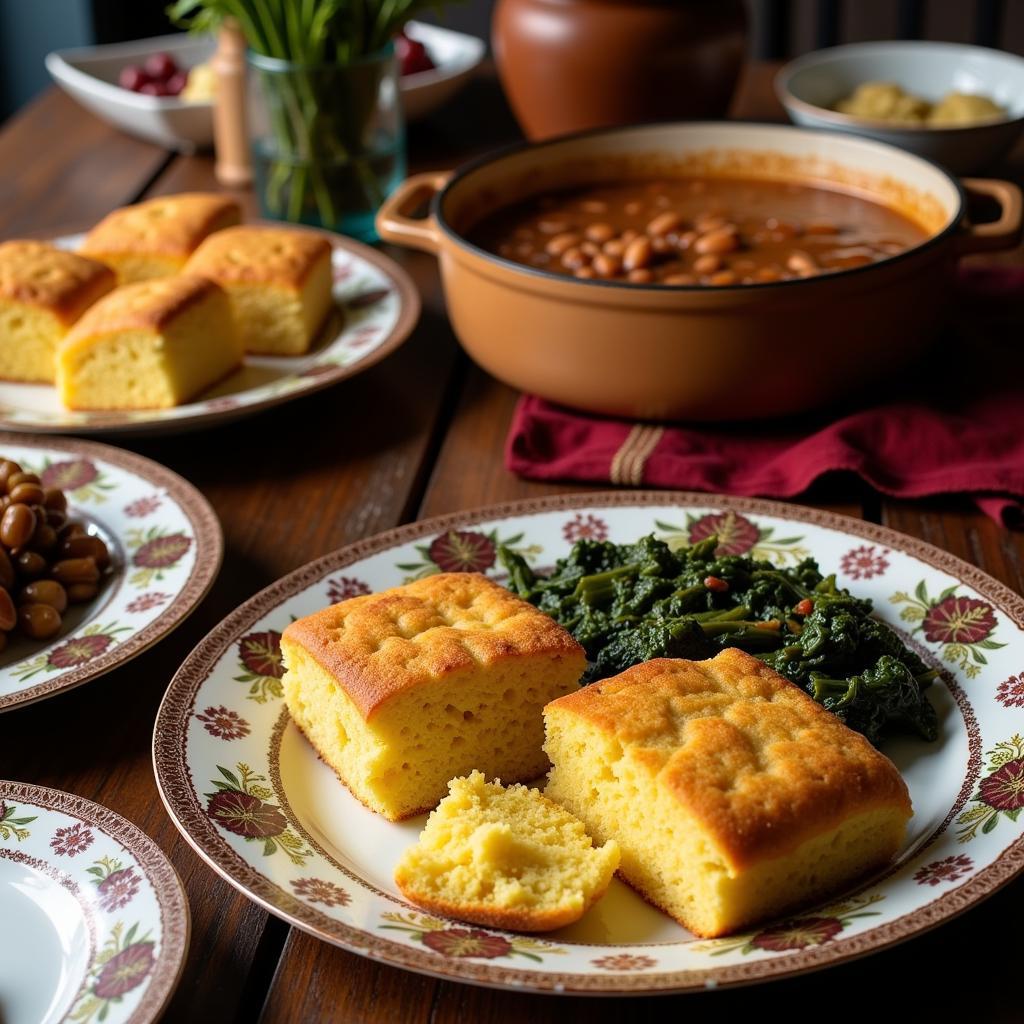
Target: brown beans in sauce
(8, 613)
(606, 266)
(75, 570)
(43, 592)
(17, 525)
(760, 232)
(38, 621)
(21, 477)
(723, 277)
(7, 576)
(80, 592)
(7, 470)
(721, 240)
(574, 258)
(560, 243)
(86, 546)
(44, 540)
(30, 564)
(638, 253)
(27, 493)
(707, 264)
(600, 233)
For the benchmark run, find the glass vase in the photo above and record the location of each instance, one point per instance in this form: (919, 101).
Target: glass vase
(328, 141)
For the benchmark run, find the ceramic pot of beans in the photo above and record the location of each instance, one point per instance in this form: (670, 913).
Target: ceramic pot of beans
(569, 65)
(716, 271)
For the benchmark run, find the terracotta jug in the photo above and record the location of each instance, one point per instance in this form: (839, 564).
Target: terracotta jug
(569, 65)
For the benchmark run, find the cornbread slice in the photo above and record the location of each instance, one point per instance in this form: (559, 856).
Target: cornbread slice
(279, 281)
(43, 291)
(732, 794)
(507, 858)
(156, 238)
(149, 345)
(403, 690)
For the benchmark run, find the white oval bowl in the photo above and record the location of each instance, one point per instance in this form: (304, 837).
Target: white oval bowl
(89, 74)
(811, 85)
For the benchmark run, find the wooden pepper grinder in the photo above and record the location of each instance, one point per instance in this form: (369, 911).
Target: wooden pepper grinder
(230, 132)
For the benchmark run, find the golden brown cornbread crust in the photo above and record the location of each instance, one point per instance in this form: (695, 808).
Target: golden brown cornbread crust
(380, 645)
(751, 756)
(510, 920)
(283, 257)
(42, 275)
(145, 306)
(168, 225)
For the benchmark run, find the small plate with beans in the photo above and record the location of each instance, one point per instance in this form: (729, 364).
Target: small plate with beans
(102, 553)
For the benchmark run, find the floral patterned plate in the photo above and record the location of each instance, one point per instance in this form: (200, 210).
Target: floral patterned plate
(377, 307)
(96, 918)
(166, 546)
(251, 796)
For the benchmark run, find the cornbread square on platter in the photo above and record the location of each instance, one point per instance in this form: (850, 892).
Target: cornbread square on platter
(156, 238)
(150, 345)
(403, 690)
(43, 291)
(505, 858)
(732, 794)
(279, 282)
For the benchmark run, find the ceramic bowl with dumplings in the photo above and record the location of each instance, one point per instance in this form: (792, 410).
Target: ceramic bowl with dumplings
(811, 86)
(650, 351)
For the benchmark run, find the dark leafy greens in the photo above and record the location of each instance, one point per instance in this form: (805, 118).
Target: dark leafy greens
(628, 603)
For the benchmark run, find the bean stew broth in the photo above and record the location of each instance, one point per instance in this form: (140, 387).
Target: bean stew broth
(696, 231)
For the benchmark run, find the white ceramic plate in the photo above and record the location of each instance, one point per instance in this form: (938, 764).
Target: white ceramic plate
(377, 307)
(255, 801)
(94, 919)
(90, 73)
(166, 547)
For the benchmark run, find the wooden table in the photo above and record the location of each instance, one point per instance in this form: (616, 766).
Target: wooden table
(418, 435)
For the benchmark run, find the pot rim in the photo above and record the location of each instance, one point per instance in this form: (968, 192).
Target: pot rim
(496, 155)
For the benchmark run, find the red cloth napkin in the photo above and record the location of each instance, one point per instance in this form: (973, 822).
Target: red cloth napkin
(961, 430)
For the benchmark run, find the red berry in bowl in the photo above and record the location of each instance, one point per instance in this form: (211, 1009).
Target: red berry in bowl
(160, 66)
(153, 89)
(132, 77)
(412, 55)
(176, 83)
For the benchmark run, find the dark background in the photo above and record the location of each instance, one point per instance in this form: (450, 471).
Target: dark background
(29, 29)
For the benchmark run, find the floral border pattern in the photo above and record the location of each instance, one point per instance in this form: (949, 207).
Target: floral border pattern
(737, 535)
(240, 804)
(1000, 794)
(12, 827)
(963, 626)
(796, 933)
(459, 942)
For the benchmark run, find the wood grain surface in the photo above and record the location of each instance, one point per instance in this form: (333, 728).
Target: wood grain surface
(420, 434)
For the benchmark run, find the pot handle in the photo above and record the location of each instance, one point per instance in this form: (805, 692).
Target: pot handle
(416, 233)
(1004, 233)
